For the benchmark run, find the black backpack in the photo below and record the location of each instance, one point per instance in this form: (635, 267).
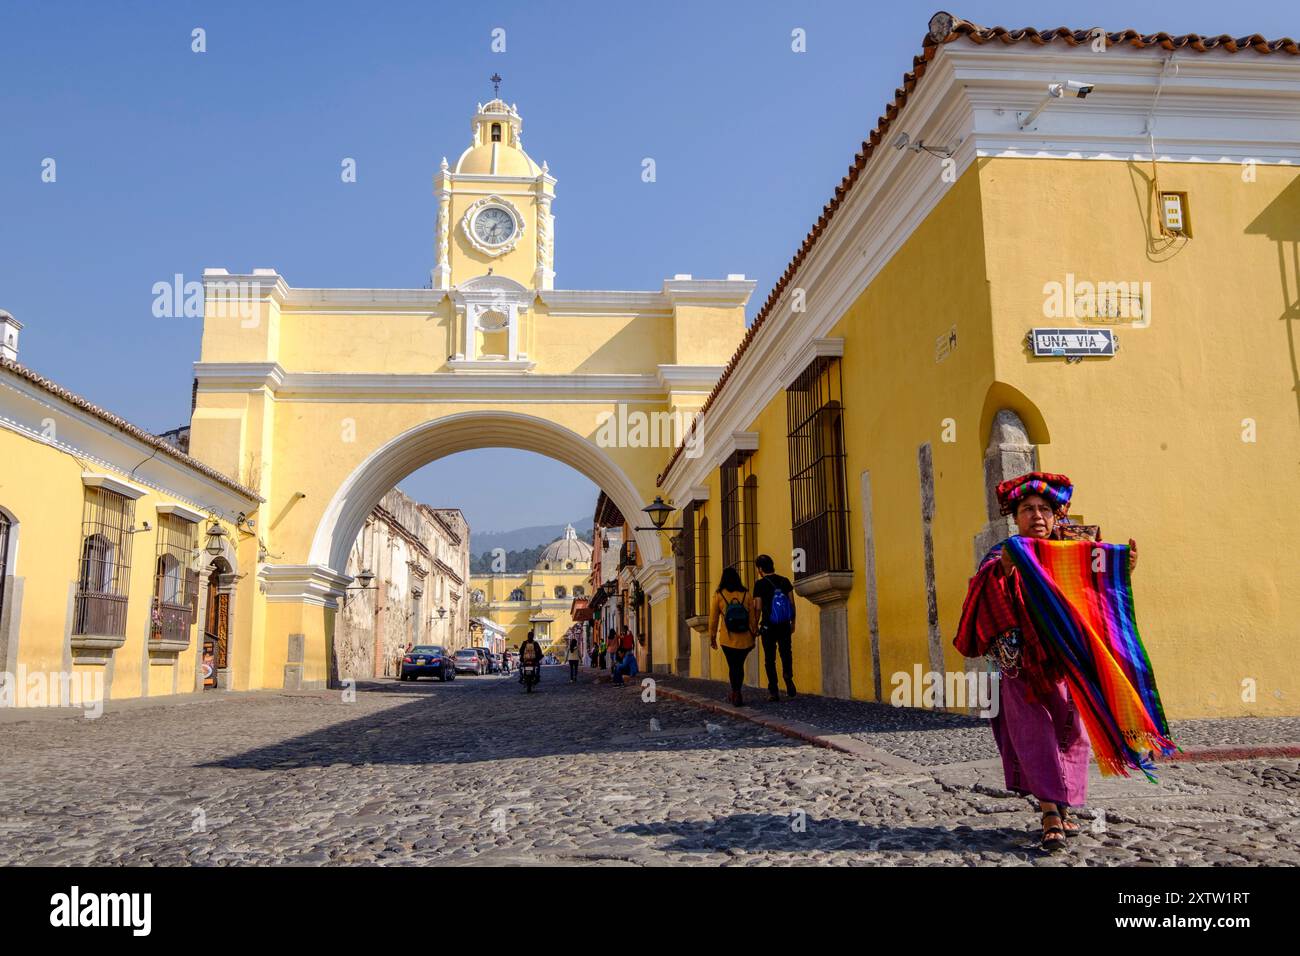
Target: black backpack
(737, 617)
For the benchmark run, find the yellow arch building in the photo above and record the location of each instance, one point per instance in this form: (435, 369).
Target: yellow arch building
(323, 399)
(1070, 250)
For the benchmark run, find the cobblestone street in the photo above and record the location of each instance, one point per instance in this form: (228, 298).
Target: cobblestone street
(476, 771)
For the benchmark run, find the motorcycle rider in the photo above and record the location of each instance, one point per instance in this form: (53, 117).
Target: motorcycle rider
(530, 652)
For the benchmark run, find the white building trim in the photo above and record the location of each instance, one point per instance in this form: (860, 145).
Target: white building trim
(1216, 107)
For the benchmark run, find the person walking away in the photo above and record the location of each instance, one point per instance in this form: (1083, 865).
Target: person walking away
(732, 609)
(774, 604)
(573, 659)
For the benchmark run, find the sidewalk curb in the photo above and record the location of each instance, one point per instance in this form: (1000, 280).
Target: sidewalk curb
(799, 730)
(846, 744)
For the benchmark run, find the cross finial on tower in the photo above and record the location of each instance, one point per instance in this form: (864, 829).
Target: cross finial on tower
(496, 84)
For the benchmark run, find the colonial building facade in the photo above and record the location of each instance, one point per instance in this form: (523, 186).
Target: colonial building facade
(540, 600)
(410, 565)
(121, 557)
(1026, 200)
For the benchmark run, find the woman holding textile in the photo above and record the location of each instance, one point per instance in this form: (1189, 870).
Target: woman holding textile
(1040, 607)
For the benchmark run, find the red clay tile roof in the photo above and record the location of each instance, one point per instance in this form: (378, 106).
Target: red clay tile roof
(945, 28)
(153, 441)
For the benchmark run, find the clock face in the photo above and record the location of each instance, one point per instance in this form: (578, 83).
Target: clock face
(494, 226)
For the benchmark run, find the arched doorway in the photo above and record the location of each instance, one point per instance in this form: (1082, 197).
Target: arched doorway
(219, 583)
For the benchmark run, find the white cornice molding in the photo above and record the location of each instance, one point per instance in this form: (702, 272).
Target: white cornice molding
(1213, 107)
(485, 366)
(597, 302)
(746, 442)
(109, 483)
(689, 378)
(697, 493)
(483, 383)
(656, 579)
(182, 512)
(490, 179)
(809, 353)
(722, 292)
(239, 376)
(313, 584)
(247, 286)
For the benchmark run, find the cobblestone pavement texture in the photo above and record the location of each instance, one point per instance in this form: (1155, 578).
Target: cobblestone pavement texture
(477, 771)
(933, 737)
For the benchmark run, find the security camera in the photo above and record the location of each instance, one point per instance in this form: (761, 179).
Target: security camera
(1071, 88)
(1055, 91)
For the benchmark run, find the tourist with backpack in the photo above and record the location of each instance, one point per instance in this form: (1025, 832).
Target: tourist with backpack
(732, 609)
(774, 606)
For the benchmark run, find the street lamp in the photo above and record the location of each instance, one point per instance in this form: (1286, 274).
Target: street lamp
(365, 577)
(658, 512)
(216, 534)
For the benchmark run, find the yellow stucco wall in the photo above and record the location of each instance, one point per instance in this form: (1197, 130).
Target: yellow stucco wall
(1152, 437)
(42, 489)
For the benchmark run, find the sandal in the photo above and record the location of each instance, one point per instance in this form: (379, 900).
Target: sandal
(1053, 836)
(1068, 824)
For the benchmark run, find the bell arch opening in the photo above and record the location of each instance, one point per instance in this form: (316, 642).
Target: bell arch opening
(384, 468)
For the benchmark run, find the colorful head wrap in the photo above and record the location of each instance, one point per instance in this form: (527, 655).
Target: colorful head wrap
(1055, 489)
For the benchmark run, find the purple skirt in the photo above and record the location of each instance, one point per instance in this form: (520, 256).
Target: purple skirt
(1044, 747)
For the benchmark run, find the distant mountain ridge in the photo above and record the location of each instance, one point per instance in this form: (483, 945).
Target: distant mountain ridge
(522, 539)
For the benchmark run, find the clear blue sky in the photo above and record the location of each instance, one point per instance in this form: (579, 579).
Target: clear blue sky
(170, 161)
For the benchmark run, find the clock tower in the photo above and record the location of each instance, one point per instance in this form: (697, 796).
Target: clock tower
(494, 207)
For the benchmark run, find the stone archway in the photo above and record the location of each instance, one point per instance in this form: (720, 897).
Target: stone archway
(389, 464)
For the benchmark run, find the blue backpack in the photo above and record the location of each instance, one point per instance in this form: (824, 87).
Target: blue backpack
(782, 611)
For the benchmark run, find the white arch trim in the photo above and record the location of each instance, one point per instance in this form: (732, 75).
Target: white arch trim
(465, 431)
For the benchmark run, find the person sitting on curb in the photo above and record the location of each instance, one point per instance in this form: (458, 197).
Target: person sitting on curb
(626, 665)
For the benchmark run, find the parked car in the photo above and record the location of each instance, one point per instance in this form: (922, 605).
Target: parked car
(427, 660)
(489, 662)
(468, 661)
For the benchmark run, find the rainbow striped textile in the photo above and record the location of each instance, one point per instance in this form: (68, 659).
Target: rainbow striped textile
(1080, 599)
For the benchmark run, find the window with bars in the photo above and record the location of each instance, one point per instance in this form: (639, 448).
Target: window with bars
(5, 528)
(701, 576)
(749, 526)
(686, 551)
(739, 515)
(819, 506)
(175, 587)
(104, 574)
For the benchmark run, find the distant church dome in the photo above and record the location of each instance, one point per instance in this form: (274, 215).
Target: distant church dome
(566, 551)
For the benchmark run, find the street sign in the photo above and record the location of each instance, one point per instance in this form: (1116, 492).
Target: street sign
(1072, 342)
